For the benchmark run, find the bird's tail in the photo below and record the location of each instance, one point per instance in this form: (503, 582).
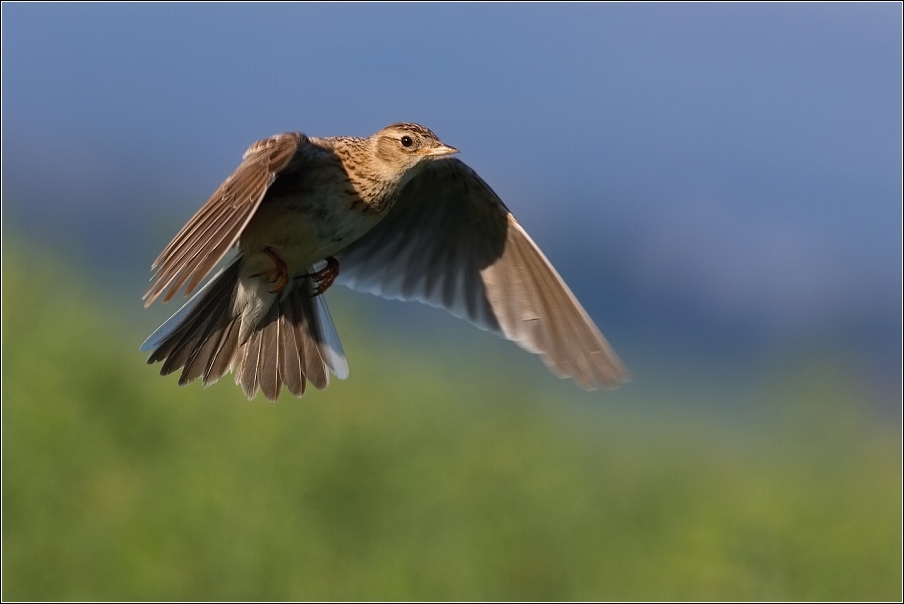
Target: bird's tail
(294, 343)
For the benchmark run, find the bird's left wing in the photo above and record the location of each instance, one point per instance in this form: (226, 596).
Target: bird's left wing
(450, 242)
(216, 227)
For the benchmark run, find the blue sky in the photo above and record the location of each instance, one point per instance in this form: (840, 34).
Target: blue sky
(725, 166)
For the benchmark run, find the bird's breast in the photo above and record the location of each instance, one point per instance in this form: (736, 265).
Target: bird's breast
(313, 219)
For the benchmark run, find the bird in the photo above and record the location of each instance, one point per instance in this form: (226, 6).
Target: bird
(392, 214)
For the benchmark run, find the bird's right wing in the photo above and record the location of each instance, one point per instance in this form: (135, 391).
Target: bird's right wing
(216, 227)
(450, 242)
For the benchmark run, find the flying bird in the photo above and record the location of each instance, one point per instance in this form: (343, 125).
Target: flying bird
(392, 214)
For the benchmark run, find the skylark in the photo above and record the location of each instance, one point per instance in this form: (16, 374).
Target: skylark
(391, 214)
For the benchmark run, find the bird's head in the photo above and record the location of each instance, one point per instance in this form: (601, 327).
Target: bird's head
(399, 148)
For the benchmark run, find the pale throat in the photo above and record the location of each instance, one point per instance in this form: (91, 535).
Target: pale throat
(378, 184)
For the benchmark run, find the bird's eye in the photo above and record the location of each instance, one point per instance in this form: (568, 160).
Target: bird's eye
(406, 141)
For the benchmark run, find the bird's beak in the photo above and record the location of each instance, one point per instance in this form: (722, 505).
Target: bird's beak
(440, 151)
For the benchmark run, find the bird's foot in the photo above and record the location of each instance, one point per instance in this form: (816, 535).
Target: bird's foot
(279, 275)
(324, 278)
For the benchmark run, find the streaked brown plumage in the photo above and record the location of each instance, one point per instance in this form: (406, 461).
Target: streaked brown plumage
(402, 220)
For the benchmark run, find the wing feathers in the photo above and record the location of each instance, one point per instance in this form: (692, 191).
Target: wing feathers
(216, 227)
(450, 242)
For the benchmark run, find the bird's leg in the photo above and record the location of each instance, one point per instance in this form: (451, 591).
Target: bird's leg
(278, 275)
(324, 278)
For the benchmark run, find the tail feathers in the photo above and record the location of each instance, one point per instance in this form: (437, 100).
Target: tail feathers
(295, 343)
(329, 346)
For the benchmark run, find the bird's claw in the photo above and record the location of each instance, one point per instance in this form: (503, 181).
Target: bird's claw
(325, 277)
(278, 275)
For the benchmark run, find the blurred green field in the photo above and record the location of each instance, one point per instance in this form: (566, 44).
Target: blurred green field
(420, 479)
